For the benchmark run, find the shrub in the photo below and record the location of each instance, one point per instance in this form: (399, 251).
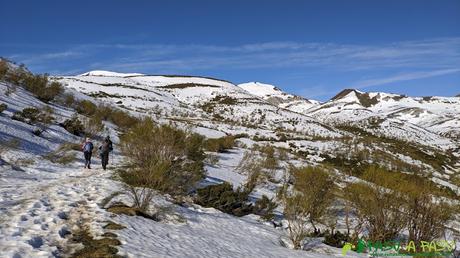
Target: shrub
(40, 86)
(16, 76)
(419, 205)
(62, 155)
(74, 126)
(37, 132)
(93, 126)
(335, 239)
(265, 207)
(308, 202)
(43, 117)
(3, 107)
(225, 199)
(270, 161)
(163, 158)
(3, 69)
(253, 164)
(6, 145)
(221, 144)
(399, 202)
(69, 100)
(378, 206)
(120, 118)
(86, 107)
(123, 119)
(27, 115)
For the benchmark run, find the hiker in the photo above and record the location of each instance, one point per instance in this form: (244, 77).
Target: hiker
(87, 148)
(105, 149)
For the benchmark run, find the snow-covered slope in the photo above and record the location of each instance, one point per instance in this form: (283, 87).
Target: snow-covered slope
(427, 120)
(276, 96)
(42, 202)
(198, 97)
(109, 74)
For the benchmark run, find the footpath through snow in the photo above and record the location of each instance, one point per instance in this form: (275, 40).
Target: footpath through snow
(38, 215)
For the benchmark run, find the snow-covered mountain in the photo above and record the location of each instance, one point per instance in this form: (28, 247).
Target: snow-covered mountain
(429, 116)
(201, 99)
(264, 112)
(277, 97)
(42, 201)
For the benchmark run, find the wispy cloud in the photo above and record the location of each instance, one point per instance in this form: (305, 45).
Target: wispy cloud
(43, 58)
(434, 55)
(403, 77)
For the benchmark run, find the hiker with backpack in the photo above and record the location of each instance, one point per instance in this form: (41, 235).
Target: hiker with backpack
(87, 148)
(104, 151)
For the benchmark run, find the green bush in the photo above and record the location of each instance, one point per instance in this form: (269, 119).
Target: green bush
(86, 107)
(265, 207)
(308, 202)
(120, 118)
(336, 239)
(93, 126)
(74, 126)
(41, 87)
(69, 100)
(3, 69)
(162, 157)
(3, 107)
(27, 115)
(221, 144)
(225, 199)
(33, 115)
(62, 155)
(123, 119)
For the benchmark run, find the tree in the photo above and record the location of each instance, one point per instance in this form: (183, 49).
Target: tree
(307, 201)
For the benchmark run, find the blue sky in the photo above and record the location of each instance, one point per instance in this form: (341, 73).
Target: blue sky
(310, 48)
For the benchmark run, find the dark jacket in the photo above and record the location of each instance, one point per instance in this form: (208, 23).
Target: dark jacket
(106, 146)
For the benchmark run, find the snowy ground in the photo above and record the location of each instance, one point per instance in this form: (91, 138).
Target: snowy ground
(41, 202)
(38, 215)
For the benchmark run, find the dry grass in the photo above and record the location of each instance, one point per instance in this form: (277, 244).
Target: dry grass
(93, 248)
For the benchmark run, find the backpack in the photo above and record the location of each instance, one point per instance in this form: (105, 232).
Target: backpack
(106, 146)
(88, 147)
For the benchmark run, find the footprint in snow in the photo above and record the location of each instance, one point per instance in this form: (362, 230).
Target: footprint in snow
(45, 202)
(36, 242)
(63, 215)
(18, 233)
(63, 232)
(33, 213)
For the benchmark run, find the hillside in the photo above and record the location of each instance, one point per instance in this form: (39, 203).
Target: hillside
(51, 206)
(318, 131)
(438, 115)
